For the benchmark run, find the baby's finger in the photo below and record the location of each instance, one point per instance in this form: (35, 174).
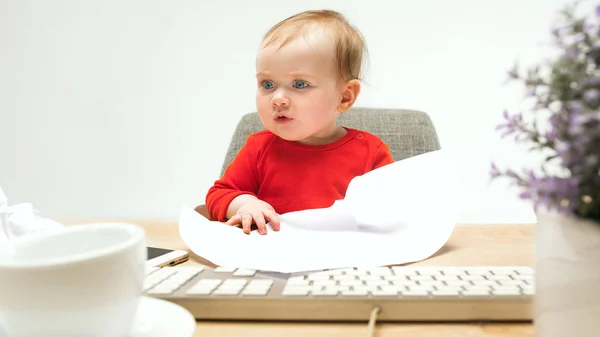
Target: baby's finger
(259, 220)
(246, 222)
(234, 220)
(273, 219)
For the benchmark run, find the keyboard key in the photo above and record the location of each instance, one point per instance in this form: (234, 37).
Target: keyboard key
(323, 283)
(478, 271)
(180, 278)
(500, 277)
(424, 278)
(319, 276)
(476, 293)
(252, 291)
(244, 272)
(415, 293)
(325, 292)
(150, 270)
(406, 271)
(200, 290)
(227, 290)
(344, 277)
(506, 291)
(207, 283)
(377, 282)
(454, 271)
(474, 278)
(299, 280)
(445, 293)
(430, 271)
(162, 290)
(457, 283)
(295, 292)
(484, 283)
(235, 282)
(478, 287)
(355, 292)
(350, 283)
(420, 288)
(524, 271)
(525, 277)
(527, 291)
(512, 282)
(380, 271)
(260, 283)
(385, 292)
(224, 270)
(447, 278)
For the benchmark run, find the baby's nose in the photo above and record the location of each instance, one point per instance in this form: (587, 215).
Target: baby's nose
(279, 100)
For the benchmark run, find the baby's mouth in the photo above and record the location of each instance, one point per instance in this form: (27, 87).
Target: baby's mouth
(282, 119)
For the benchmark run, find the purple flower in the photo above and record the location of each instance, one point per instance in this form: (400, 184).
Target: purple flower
(561, 148)
(494, 172)
(589, 28)
(556, 32)
(575, 107)
(577, 122)
(555, 121)
(551, 135)
(531, 92)
(511, 125)
(513, 74)
(591, 95)
(592, 81)
(597, 11)
(552, 191)
(525, 195)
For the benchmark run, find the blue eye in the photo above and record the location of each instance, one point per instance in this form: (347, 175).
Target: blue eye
(268, 85)
(300, 84)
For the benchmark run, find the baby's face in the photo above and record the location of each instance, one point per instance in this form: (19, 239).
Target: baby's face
(299, 90)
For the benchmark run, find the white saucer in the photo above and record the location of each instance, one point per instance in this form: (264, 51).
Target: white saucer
(159, 318)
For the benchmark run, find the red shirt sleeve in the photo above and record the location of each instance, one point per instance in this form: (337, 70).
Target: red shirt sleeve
(240, 177)
(382, 156)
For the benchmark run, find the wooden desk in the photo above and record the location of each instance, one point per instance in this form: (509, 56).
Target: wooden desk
(469, 245)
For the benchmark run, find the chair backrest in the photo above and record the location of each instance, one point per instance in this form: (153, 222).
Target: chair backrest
(407, 132)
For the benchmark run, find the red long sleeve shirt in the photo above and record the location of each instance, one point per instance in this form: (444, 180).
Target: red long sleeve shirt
(291, 176)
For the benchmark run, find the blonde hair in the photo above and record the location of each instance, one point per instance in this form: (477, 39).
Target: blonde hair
(350, 46)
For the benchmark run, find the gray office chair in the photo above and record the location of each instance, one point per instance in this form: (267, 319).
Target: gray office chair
(407, 132)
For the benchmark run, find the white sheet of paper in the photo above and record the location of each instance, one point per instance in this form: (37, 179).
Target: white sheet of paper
(17, 221)
(403, 212)
(23, 219)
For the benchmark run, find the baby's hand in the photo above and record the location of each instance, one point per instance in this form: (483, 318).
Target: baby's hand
(257, 211)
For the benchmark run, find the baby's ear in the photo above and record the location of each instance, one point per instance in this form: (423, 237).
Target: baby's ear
(350, 93)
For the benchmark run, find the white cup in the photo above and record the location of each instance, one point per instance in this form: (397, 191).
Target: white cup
(85, 280)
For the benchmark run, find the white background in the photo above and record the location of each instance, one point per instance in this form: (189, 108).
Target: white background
(124, 109)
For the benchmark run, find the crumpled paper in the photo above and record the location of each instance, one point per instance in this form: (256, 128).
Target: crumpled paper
(23, 219)
(400, 213)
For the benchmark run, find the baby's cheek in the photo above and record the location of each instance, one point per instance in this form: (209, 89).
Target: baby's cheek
(262, 101)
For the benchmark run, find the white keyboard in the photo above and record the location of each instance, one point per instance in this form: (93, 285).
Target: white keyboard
(406, 293)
